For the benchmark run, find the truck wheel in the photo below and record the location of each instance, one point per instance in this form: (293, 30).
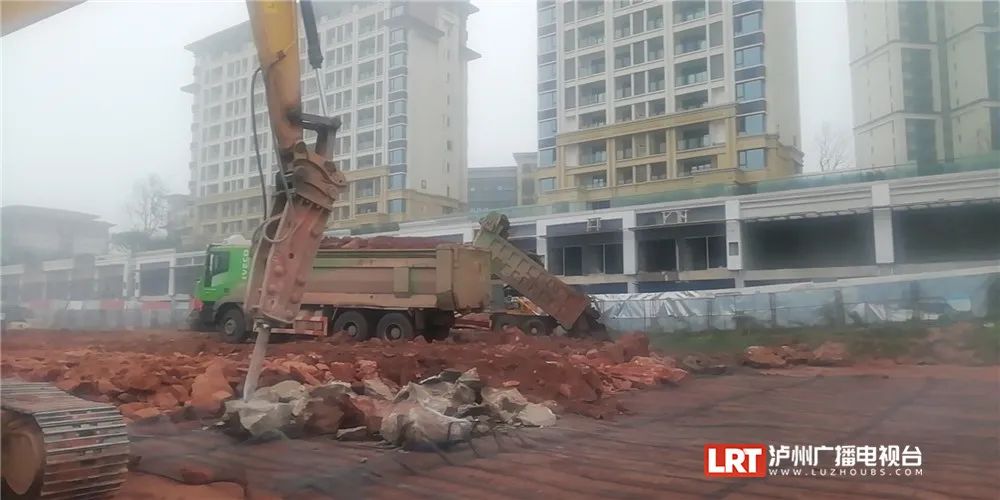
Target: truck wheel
(395, 327)
(535, 327)
(354, 324)
(501, 321)
(233, 326)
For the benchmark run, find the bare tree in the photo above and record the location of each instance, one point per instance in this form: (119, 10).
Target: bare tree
(832, 148)
(148, 205)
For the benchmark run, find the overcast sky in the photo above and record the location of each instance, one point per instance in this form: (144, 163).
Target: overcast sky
(91, 97)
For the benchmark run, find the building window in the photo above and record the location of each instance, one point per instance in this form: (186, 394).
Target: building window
(397, 35)
(921, 141)
(547, 158)
(751, 56)
(918, 84)
(397, 108)
(397, 60)
(547, 100)
(752, 159)
(746, 24)
(748, 91)
(546, 16)
(397, 132)
(397, 83)
(397, 156)
(913, 21)
(397, 181)
(547, 44)
(750, 124)
(547, 184)
(547, 72)
(397, 206)
(546, 129)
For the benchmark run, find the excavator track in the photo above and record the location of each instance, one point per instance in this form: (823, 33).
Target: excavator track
(57, 446)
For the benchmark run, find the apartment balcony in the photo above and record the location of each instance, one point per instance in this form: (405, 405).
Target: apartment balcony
(589, 100)
(590, 41)
(594, 158)
(690, 79)
(694, 143)
(695, 166)
(593, 68)
(693, 100)
(686, 11)
(593, 119)
(687, 47)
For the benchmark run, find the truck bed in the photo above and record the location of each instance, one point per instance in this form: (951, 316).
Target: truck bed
(449, 277)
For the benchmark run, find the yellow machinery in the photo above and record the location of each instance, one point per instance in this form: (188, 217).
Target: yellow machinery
(59, 446)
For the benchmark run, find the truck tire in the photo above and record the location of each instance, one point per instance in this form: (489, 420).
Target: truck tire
(232, 326)
(395, 327)
(535, 327)
(502, 320)
(354, 324)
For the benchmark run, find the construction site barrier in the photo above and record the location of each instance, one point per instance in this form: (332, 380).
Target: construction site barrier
(939, 296)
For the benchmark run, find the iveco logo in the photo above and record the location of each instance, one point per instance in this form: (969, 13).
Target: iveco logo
(245, 264)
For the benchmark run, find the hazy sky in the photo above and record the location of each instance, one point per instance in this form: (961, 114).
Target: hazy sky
(91, 97)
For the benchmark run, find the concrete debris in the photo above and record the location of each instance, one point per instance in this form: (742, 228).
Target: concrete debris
(535, 415)
(763, 357)
(259, 417)
(471, 379)
(376, 387)
(282, 392)
(413, 425)
(504, 403)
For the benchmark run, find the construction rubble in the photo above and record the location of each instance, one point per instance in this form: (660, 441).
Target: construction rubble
(406, 393)
(826, 354)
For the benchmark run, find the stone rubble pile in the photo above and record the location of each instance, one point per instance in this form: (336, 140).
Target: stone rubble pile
(446, 408)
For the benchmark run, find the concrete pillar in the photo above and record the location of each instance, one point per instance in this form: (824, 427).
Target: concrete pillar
(734, 236)
(171, 276)
(633, 286)
(629, 248)
(468, 235)
(885, 253)
(541, 242)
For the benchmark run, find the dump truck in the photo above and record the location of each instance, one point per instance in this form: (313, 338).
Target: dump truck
(550, 301)
(394, 294)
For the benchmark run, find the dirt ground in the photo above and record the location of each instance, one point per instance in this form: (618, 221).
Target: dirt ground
(951, 413)
(636, 444)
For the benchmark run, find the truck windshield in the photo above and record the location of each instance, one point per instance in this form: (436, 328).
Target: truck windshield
(218, 264)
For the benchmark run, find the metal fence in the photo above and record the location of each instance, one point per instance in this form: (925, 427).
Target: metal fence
(940, 296)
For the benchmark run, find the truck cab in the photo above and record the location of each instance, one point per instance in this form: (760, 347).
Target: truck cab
(218, 294)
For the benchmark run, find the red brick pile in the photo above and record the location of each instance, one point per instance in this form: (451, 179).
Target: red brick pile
(191, 375)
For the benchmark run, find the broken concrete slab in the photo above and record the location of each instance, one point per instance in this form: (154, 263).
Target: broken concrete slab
(535, 415)
(259, 417)
(282, 392)
(413, 425)
(471, 379)
(504, 403)
(377, 388)
(695, 363)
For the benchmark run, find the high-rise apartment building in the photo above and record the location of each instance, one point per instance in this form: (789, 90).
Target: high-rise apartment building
(640, 96)
(925, 79)
(394, 72)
